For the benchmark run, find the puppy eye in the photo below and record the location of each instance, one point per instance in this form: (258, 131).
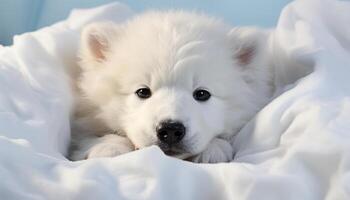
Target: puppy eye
(143, 93)
(201, 95)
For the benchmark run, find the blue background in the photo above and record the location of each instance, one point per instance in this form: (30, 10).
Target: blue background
(18, 16)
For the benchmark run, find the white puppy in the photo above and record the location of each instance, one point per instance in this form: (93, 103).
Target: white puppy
(183, 81)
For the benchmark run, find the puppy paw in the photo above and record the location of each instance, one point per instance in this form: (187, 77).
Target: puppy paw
(106, 146)
(218, 150)
(107, 150)
(110, 146)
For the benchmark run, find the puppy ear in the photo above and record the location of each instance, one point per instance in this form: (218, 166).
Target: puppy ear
(96, 41)
(248, 44)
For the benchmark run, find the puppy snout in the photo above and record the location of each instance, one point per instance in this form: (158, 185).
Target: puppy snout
(170, 132)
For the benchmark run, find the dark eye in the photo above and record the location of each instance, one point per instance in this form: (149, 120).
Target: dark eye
(201, 95)
(143, 93)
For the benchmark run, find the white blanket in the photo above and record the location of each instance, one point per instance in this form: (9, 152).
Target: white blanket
(297, 147)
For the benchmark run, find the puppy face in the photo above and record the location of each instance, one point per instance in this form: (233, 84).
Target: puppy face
(174, 79)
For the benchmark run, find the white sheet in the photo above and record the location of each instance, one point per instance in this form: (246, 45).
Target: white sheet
(297, 147)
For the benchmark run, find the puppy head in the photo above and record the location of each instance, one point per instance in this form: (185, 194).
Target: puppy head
(173, 79)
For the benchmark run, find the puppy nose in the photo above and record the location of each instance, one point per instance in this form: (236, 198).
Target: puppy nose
(170, 132)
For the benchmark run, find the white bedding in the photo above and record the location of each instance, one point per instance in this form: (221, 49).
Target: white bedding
(297, 147)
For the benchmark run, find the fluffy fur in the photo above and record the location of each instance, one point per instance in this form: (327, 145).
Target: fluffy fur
(173, 53)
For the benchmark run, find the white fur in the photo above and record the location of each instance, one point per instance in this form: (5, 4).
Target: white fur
(173, 53)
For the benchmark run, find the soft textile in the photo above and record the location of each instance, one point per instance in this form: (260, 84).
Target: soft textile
(297, 147)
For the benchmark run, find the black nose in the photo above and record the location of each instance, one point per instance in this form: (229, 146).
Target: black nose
(170, 132)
